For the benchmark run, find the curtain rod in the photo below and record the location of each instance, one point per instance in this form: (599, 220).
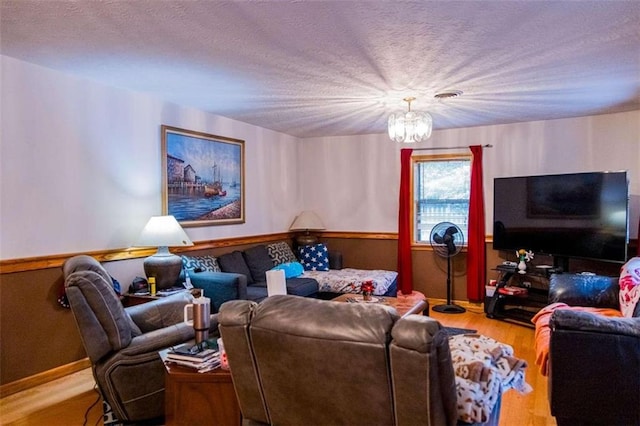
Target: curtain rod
(451, 147)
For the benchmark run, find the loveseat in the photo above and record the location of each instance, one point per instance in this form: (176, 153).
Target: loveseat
(242, 275)
(301, 361)
(590, 352)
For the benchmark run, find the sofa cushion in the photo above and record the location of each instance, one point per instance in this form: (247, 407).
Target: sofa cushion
(314, 257)
(630, 287)
(302, 286)
(257, 293)
(291, 269)
(296, 286)
(201, 263)
(280, 252)
(258, 261)
(234, 262)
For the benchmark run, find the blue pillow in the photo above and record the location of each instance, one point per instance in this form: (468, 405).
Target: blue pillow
(314, 257)
(291, 269)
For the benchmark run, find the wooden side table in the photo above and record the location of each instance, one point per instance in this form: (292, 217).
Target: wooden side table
(193, 398)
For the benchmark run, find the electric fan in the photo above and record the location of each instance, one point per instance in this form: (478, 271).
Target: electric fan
(447, 240)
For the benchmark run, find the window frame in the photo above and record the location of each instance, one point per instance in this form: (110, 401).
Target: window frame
(425, 158)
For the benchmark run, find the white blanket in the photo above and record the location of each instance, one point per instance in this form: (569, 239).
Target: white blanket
(484, 369)
(349, 280)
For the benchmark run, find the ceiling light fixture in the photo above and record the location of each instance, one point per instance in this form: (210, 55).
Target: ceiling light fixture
(410, 127)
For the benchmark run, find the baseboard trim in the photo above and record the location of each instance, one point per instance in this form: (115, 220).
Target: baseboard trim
(44, 377)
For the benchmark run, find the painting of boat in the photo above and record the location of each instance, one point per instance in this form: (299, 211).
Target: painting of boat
(203, 178)
(215, 188)
(212, 190)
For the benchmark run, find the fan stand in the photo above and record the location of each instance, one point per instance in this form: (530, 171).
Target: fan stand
(449, 308)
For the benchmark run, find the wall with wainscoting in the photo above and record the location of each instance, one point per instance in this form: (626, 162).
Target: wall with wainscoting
(81, 172)
(39, 336)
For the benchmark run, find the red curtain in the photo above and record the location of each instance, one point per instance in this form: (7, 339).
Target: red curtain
(476, 255)
(405, 267)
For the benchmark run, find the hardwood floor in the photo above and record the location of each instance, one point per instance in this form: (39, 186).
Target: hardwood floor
(61, 402)
(65, 401)
(517, 410)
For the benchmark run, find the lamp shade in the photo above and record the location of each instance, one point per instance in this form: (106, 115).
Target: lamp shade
(163, 231)
(305, 221)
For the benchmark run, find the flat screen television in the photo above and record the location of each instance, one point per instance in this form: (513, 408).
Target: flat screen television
(577, 215)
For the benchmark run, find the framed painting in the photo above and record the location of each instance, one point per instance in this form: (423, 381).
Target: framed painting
(202, 178)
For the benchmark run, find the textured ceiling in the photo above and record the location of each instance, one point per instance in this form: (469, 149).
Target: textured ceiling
(322, 68)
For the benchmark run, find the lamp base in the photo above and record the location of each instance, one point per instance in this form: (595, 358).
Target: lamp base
(306, 240)
(165, 267)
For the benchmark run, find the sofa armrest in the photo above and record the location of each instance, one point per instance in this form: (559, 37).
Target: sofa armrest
(158, 340)
(591, 359)
(584, 290)
(160, 313)
(220, 286)
(335, 260)
(563, 319)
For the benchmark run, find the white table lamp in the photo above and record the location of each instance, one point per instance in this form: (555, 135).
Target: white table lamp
(163, 232)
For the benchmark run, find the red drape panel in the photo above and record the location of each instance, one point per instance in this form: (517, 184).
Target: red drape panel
(405, 267)
(476, 255)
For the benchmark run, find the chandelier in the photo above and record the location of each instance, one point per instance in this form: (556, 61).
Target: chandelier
(409, 127)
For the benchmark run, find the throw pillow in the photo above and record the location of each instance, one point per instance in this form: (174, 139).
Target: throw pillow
(201, 263)
(629, 286)
(281, 253)
(258, 261)
(291, 269)
(234, 262)
(314, 257)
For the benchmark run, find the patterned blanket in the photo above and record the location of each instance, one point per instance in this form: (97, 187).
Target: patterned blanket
(349, 280)
(484, 369)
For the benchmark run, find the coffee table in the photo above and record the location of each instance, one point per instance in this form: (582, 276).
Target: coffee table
(193, 398)
(418, 306)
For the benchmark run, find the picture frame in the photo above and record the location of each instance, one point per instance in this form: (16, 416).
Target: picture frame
(202, 177)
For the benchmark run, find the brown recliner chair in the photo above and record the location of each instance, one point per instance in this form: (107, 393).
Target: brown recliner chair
(123, 344)
(298, 361)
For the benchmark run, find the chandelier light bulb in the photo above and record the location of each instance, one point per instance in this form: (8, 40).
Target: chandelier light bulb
(410, 127)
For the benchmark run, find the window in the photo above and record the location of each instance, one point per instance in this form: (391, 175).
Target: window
(441, 188)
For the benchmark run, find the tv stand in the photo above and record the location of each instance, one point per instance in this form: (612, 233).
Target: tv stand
(560, 263)
(519, 308)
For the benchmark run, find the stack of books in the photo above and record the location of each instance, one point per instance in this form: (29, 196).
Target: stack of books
(199, 360)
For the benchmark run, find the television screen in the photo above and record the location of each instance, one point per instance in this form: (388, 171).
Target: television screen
(578, 215)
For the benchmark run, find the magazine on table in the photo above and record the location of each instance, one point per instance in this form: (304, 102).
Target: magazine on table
(200, 367)
(192, 354)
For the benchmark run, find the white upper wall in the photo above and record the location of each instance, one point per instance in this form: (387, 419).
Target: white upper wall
(80, 165)
(352, 182)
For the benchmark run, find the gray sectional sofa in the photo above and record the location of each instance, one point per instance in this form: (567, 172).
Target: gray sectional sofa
(242, 274)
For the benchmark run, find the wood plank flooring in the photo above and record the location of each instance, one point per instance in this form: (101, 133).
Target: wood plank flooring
(65, 401)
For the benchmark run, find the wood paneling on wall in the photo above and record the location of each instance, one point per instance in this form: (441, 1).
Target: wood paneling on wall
(38, 334)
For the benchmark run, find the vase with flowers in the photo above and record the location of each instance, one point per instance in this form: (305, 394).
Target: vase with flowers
(367, 290)
(524, 256)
